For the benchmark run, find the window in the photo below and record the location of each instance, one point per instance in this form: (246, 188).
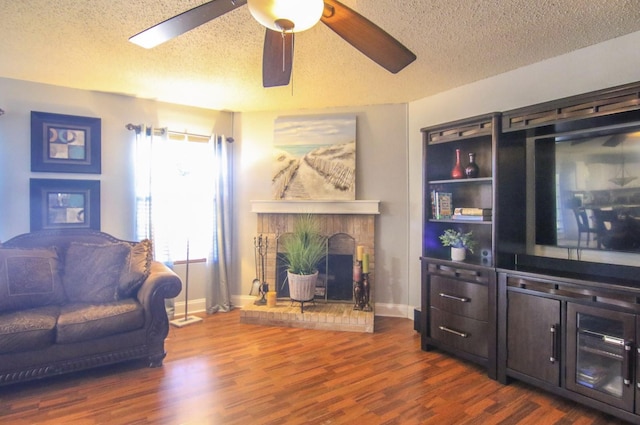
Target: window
(175, 194)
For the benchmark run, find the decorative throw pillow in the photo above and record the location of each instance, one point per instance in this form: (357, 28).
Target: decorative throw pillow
(29, 278)
(92, 272)
(136, 270)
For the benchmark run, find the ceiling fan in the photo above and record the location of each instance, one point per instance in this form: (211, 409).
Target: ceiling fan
(283, 18)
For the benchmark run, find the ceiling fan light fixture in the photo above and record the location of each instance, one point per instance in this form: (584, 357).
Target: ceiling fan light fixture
(302, 14)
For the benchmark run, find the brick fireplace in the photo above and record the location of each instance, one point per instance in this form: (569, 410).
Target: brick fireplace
(348, 224)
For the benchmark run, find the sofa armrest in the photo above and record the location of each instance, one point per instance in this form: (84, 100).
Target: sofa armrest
(161, 283)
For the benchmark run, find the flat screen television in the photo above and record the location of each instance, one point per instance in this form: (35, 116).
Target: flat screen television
(586, 190)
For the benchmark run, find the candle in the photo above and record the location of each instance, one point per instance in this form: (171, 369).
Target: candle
(365, 263)
(271, 299)
(359, 252)
(357, 272)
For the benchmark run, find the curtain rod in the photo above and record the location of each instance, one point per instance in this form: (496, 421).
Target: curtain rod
(162, 131)
(138, 129)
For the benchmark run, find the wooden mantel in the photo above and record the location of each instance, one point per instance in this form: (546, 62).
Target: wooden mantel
(315, 207)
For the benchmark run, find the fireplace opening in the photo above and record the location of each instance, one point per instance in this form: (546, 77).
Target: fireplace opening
(335, 277)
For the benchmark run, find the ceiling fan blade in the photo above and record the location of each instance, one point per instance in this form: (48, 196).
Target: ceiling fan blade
(277, 58)
(614, 140)
(366, 36)
(186, 21)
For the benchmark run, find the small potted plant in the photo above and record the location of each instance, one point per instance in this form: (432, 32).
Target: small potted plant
(459, 243)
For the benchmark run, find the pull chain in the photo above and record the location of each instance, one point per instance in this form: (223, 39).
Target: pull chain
(293, 41)
(284, 46)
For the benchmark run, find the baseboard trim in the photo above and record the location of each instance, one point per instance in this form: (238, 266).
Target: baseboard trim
(394, 310)
(195, 306)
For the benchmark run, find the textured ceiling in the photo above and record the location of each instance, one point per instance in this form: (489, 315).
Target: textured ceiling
(84, 44)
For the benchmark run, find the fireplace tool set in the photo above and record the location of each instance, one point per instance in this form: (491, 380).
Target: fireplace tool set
(260, 247)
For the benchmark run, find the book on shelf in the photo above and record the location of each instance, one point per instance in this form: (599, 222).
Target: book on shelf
(471, 217)
(472, 214)
(441, 207)
(472, 211)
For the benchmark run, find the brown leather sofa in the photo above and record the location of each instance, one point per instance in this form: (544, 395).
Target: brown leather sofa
(75, 299)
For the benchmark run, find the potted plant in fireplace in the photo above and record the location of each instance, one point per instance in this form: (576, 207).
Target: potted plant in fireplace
(303, 249)
(459, 243)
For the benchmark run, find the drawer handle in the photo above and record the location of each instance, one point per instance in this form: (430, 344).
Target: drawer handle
(626, 363)
(461, 272)
(554, 343)
(451, 331)
(453, 297)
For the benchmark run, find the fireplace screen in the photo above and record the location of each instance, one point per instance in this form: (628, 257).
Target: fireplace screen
(335, 279)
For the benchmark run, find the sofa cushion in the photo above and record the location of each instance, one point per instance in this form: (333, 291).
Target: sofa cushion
(82, 322)
(92, 272)
(136, 270)
(29, 278)
(30, 329)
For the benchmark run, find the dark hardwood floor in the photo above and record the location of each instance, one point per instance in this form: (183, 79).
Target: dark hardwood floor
(224, 372)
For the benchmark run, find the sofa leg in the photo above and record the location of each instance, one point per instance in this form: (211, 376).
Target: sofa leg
(155, 360)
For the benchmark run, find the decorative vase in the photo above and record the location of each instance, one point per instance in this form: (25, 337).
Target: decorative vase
(457, 172)
(458, 254)
(472, 170)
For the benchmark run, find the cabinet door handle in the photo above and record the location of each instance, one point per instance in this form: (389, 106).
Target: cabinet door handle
(554, 344)
(453, 297)
(638, 381)
(451, 331)
(626, 363)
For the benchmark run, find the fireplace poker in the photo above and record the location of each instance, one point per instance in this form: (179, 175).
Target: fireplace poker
(255, 285)
(263, 287)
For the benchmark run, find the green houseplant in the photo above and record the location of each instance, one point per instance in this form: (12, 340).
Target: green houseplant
(459, 243)
(302, 250)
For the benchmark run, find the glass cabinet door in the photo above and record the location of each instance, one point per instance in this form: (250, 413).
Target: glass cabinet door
(599, 350)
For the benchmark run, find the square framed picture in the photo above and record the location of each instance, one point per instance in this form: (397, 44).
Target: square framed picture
(65, 143)
(63, 204)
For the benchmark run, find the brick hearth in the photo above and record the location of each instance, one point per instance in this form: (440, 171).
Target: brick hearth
(321, 316)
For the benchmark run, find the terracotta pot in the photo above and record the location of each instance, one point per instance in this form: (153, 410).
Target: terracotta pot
(302, 287)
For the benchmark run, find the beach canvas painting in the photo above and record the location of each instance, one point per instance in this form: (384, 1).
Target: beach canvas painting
(314, 157)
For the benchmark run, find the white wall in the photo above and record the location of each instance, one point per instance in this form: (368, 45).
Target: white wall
(381, 174)
(603, 65)
(19, 98)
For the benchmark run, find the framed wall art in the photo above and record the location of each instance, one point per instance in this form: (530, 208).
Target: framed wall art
(314, 157)
(63, 204)
(65, 143)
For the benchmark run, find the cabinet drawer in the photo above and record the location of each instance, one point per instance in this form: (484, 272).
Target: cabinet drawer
(463, 298)
(472, 275)
(459, 332)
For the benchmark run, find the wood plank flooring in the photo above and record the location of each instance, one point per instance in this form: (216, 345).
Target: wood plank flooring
(223, 372)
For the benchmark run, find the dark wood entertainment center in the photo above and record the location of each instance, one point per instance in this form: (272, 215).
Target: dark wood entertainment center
(526, 304)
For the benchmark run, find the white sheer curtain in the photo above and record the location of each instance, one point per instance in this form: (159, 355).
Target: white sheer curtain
(147, 138)
(183, 196)
(158, 194)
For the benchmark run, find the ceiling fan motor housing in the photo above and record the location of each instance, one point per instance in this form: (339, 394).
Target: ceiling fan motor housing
(287, 15)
